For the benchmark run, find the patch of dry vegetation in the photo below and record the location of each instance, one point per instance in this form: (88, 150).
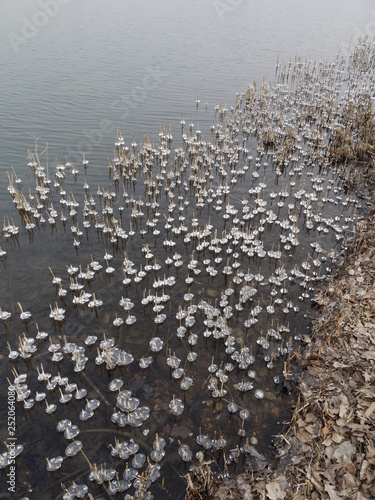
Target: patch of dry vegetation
(331, 446)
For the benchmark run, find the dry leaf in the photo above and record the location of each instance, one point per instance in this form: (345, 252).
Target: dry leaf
(324, 432)
(303, 436)
(337, 438)
(275, 491)
(344, 406)
(311, 430)
(344, 452)
(368, 412)
(331, 492)
(349, 482)
(370, 451)
(368, 355)
(327, 441)
(310, 417)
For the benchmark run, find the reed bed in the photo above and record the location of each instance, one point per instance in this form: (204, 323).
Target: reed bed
(174, 348)
(327, 449)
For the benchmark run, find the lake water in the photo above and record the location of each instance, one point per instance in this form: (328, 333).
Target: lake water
(71, 75)
(138, 65)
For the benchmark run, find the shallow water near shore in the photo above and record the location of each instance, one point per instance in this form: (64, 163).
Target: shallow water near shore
(199, 235)
(231, 311)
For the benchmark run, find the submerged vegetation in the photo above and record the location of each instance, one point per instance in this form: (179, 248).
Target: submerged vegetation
(170, 336)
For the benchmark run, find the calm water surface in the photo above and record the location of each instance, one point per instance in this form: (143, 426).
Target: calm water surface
(72, 74)
(94, 67)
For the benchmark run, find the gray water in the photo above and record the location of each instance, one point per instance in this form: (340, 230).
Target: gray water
(88, 70)
(63, 73)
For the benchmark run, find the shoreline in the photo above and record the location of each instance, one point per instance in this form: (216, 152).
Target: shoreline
(327, 449)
